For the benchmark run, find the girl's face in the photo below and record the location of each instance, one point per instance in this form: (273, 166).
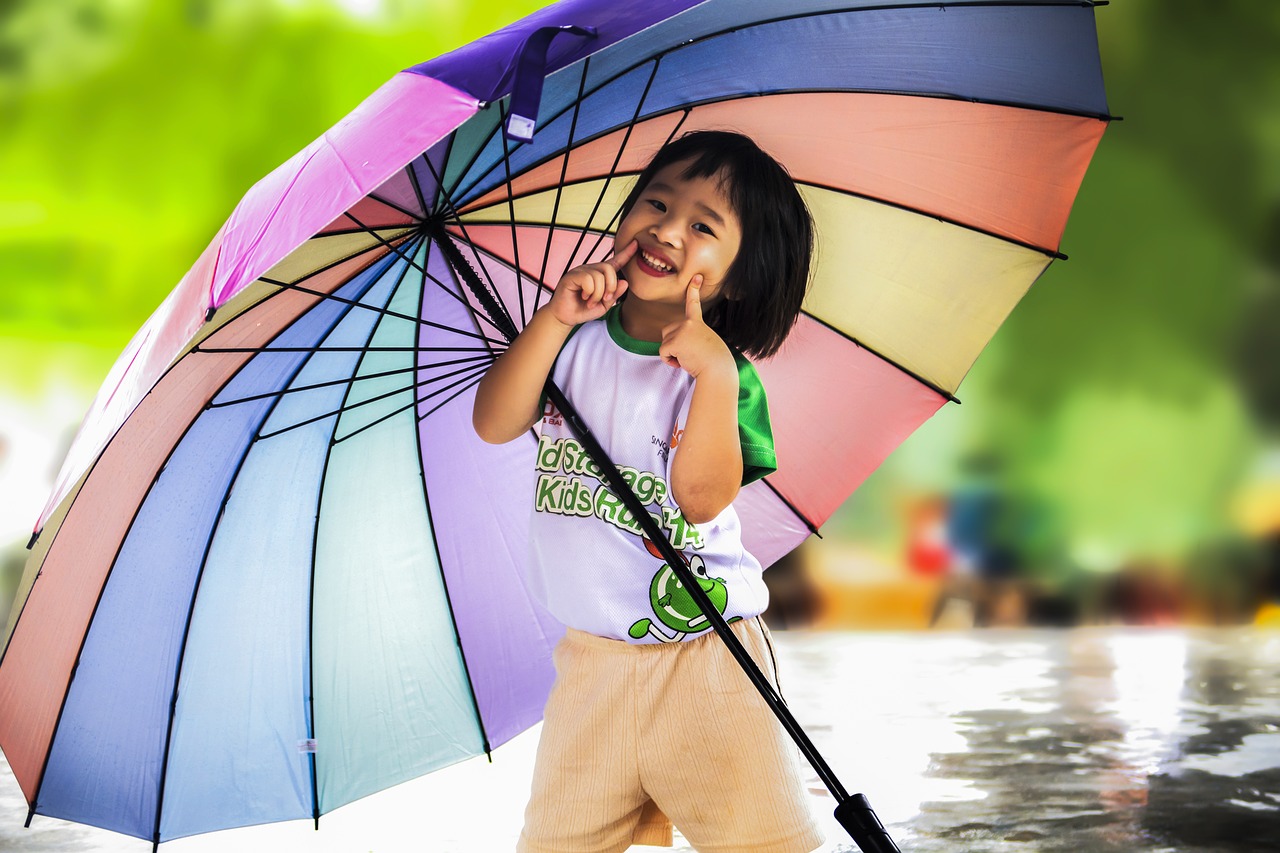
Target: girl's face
(684, 227)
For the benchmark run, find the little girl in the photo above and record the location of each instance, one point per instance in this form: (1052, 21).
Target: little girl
(650, 716)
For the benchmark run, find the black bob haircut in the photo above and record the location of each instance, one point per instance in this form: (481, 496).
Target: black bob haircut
(765, 285)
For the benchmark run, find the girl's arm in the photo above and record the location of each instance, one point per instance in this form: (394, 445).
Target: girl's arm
(509, 395)
(706, 472)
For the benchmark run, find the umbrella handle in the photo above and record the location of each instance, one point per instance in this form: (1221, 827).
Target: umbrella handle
(854, 813)
(863, 826)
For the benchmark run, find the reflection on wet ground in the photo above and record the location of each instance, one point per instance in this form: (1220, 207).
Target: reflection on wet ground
(981, 742)
(1083, 740)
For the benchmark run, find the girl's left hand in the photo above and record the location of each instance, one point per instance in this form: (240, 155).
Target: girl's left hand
(691, 344)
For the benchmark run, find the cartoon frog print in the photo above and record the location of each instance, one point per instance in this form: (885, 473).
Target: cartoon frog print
(674, 606)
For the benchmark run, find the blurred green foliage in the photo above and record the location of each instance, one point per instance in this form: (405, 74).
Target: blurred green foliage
(133, 128)
(1126, 397)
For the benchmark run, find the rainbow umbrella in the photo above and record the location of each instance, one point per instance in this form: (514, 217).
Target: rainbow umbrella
(279, 572)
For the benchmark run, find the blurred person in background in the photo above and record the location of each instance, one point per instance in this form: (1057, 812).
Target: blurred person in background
(983, 583)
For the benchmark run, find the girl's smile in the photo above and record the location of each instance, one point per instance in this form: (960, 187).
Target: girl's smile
(654, 264)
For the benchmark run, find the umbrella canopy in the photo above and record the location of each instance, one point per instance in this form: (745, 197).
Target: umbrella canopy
(279, 572)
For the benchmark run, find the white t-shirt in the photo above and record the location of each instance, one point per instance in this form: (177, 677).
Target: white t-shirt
(590, 564)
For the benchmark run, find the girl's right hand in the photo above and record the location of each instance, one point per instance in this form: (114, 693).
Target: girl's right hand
(585, 293)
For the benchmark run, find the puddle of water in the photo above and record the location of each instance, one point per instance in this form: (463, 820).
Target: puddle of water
(1084, 740)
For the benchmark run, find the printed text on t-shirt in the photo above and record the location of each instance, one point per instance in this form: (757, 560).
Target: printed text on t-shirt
(561, 490)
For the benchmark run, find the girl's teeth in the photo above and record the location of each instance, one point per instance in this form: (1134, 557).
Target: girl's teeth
(654, 262)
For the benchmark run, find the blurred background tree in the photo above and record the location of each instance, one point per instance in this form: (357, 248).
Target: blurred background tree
(132, 129)
(1136, 385)
(1127, 399)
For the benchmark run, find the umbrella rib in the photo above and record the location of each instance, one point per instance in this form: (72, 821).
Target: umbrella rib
(365, 229)
(1052, 254)
(417, 186)
(84, 639)
(350, 407)
(191, 609)
(444, 581)
(330, 265)
(604, 190)
(416, 217)
(442, 235)
(564, 171)
(789, 505)
(476, 151)
(932, 386)
(386, 313)
(511, 217)
(331, 383)
(315, 349)
(466, 382)
(419, 267)
(476, 381)
(315, 538)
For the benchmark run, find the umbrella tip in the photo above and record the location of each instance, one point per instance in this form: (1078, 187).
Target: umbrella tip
(209, 312)
(31, 543)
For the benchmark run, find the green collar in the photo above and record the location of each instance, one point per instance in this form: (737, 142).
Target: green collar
(613, 321)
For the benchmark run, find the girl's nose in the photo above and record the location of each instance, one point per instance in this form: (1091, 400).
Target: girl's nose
(665, 230)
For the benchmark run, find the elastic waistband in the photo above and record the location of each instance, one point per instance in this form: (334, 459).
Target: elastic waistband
(742, 628)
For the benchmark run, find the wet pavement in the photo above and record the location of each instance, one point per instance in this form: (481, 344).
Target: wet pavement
(1084, 740)
(1097, 739)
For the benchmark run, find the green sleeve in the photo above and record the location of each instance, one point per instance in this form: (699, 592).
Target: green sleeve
(754, 430)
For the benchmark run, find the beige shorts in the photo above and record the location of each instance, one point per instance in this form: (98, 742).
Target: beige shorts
(636, 733)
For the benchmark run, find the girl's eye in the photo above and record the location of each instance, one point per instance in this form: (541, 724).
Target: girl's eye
(704, 228)
(657, 205)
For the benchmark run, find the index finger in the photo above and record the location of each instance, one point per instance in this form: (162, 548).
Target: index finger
(619, 259)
